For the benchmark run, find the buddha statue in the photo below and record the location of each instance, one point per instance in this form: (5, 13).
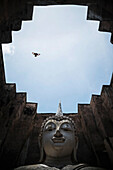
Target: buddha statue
(58, 144)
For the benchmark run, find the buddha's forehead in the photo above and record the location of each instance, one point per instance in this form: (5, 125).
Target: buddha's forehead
(58, 122)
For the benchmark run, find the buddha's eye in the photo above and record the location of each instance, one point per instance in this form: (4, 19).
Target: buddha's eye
(66, 127)
(50, 127)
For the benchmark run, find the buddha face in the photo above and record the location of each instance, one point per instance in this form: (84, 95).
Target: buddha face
(58, 138)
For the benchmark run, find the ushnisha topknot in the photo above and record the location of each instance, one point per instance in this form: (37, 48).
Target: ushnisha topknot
(59, 112)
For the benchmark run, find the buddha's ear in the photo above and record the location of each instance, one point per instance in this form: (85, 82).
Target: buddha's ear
(39, 141)
(41, 155)
(76, 141)
(75, 149)
(41, 149)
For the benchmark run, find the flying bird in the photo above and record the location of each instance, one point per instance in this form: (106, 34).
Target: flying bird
(35, 54)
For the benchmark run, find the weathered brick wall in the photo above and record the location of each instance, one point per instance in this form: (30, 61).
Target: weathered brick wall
(2, 72)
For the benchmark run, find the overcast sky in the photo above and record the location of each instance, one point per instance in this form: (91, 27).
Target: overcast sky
(75, 61)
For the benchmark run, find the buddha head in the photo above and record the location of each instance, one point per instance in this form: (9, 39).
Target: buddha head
(58, 138)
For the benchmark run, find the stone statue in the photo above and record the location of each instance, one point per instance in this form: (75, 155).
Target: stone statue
(58, 144)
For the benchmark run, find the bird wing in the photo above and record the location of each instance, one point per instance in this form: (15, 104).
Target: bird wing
(35, 54)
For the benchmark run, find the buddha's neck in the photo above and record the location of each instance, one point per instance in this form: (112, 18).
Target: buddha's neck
(58, 162)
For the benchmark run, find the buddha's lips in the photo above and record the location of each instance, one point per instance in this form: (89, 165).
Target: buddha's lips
(58, 140)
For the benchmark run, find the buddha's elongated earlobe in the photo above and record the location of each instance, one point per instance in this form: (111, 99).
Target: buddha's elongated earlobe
(41, 149)
(75, 149)
(41, 155)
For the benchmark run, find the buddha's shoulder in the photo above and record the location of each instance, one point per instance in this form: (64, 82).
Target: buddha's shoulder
(68, 167)
(36, 167)
(81, 167)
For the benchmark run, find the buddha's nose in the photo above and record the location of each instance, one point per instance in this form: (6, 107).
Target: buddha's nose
(58, 133)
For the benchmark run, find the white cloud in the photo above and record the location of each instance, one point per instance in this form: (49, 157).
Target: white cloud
(8, 49)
